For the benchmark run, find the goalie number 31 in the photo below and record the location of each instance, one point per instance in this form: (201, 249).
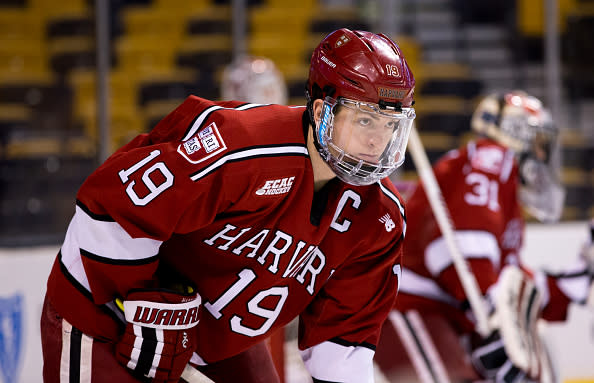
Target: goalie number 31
(153, 189)
(484, 192)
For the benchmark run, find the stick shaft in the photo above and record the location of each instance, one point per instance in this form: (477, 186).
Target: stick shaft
(192, 375)
(441, 213)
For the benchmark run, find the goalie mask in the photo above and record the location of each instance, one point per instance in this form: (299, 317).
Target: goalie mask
(367, 91)
(521, 123)
(254, 79)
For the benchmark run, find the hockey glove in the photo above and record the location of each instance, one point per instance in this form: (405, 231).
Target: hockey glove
(513, 351)
(159, 340)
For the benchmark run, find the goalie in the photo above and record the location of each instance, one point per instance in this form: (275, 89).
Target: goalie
(485, 185)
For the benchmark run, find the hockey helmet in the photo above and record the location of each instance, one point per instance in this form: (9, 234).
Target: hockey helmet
(254, 79)
(520, 122)
(367, 90)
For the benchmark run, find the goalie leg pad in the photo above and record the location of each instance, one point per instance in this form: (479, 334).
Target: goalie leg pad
(513, 351)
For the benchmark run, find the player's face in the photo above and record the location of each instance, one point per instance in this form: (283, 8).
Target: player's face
(362, 142)
(362, 133)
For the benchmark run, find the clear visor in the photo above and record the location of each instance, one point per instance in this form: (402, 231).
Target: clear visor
(363, 141)
(541, 194)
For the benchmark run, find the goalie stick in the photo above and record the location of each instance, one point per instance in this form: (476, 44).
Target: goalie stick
(440, 210)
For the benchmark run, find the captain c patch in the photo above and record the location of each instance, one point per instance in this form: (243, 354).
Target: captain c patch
(203, 145)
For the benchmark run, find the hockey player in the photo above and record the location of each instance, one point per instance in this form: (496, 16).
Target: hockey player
(254, 79)
(228, 220)
(485, 185)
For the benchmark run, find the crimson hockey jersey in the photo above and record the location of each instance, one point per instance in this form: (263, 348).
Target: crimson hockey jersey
(221, 194)
(479, 183)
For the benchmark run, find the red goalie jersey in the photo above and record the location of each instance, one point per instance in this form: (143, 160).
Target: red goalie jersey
(479, 183)
(199, 200)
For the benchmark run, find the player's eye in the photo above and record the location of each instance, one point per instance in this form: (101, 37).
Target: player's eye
(392, 125)
(364, 121)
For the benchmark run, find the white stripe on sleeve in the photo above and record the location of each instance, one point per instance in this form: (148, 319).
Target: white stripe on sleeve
(415, 284)
(105, 239)
(575, 288)
(71, 255)
(110, 240)
(255, 152)
(471, 243)
(202, 116)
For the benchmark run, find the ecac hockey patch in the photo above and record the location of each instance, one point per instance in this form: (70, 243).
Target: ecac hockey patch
(203, 145)
(277, 186)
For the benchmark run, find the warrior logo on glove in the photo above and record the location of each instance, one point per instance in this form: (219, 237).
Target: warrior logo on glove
(150, 314)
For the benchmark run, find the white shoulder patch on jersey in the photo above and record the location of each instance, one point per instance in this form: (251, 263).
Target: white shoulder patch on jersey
(489, 159)
(205, 144)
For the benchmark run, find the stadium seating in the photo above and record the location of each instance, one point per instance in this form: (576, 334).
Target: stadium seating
(163, 50)
(576, 176)
(580, 56)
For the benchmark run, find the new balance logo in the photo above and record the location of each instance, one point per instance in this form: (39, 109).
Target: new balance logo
(278, 186)
(388, 223)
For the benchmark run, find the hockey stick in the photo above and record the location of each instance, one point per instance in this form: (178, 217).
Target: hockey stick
(192, 375)
(419, 346)
(440, 210)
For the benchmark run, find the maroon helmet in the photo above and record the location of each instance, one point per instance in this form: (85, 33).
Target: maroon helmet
(361, 66)
(367, 89)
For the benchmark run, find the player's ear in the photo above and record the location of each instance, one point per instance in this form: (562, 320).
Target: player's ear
(317, 109)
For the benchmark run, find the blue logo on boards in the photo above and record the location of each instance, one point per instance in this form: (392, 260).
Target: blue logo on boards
(11, 330)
